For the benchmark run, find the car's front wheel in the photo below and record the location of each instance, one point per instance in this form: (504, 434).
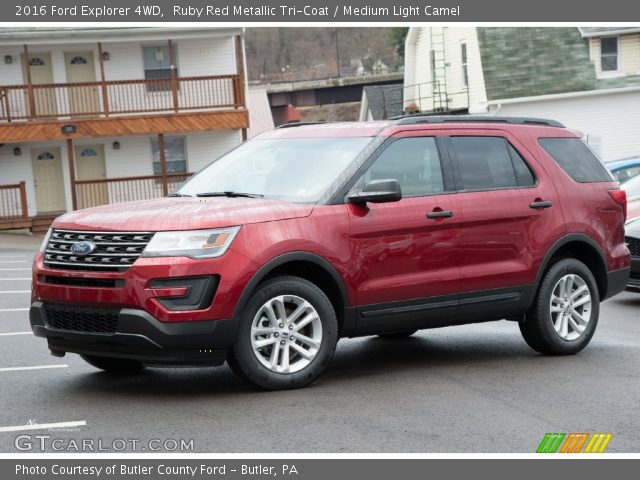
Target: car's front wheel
(565, 312)
(287, 334)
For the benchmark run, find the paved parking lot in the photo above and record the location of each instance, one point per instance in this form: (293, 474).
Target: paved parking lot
(475, 388)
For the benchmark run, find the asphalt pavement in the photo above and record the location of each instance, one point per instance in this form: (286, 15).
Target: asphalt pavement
(474, 388)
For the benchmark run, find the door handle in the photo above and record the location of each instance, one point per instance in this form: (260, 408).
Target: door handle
(440, 214)
(540, 204)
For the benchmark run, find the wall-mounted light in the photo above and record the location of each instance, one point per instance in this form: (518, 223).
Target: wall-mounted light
(116, 145)
(106, 56)
(17, 151)
(8, 59)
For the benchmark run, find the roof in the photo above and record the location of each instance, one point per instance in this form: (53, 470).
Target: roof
(46, 35)
(601, 31)
(373, 128)
(525, 62)
(384, 101)
(623, 163)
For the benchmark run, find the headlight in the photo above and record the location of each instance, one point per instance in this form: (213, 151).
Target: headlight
(45, 241)
(191, 243)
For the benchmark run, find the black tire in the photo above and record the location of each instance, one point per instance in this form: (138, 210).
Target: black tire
(538, 330)
(397, 335)
(113, 365)
(244, 362)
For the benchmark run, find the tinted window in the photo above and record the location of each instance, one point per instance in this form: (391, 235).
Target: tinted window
(490, 162)
(576, 159)
(414, 162)
(524, 177)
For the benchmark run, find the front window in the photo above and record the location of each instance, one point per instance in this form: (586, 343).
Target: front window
(292, 169)
(609, 54)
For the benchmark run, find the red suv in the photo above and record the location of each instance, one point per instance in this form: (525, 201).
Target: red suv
(314, 232)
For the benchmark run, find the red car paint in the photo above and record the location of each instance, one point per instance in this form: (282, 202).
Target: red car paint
(382, 253)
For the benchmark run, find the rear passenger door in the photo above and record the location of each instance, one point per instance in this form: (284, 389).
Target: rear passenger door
(510, 219)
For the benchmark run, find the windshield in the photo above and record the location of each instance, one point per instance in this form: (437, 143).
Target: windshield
(293, 169)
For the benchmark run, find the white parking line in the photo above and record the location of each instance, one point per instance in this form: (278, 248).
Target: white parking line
(40, 426)
(10, 334)
(13, 256)
(37, 367)
(13, 310)
(15, 291)
(15, 269)
(9, 279)
(14, 261)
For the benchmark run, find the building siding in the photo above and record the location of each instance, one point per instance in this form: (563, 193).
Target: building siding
(453, 38)
(606, 120)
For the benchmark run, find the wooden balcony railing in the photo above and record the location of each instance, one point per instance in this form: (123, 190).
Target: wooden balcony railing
(93, 193)
(13, 202)
(120, 97)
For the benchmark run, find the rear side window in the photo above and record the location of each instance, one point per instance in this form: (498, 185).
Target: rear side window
(575, 158)
(488, 163)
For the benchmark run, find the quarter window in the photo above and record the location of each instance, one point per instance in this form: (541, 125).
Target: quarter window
(414, 162)
(487, 163)
(575, 158)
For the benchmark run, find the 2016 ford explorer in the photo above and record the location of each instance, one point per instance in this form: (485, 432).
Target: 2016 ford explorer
(308, 234)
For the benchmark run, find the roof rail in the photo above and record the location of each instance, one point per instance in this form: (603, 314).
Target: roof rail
(421, 118)
(299, 124)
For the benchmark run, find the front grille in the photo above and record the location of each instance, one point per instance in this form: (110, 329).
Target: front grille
(634, 246)
(81, 319)
(114, 251)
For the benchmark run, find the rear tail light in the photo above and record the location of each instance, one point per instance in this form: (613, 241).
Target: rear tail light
(620, 197)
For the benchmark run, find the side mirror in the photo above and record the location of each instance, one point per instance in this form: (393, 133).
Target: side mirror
(377, 191)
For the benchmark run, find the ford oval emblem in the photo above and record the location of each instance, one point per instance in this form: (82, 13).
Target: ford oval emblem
(83, 248)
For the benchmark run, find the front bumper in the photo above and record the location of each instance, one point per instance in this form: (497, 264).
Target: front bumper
(140, 336)
(616, 282)
(634, 280)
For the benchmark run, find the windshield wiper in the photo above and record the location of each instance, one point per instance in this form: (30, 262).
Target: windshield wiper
(178, 195)
(229, 194)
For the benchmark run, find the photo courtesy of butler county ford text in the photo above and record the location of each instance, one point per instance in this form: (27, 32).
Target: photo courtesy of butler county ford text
(314, 239)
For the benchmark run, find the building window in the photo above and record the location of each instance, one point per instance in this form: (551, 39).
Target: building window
(463, 56)
(175, 153)
(609, 54)
(157, 66)
(433, 68)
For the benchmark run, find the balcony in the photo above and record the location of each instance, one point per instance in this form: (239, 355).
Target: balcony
(65, 101)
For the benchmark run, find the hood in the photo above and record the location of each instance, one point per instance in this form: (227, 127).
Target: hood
(181, 213)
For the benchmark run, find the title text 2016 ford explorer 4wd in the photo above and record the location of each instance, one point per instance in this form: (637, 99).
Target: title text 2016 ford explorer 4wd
(307, 234)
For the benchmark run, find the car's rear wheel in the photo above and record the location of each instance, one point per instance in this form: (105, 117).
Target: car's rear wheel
(113, 365)
(286, 336)
(565, 312)
(397, 335)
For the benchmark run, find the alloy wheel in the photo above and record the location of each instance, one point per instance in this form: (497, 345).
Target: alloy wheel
(570, 307)
(286, 334)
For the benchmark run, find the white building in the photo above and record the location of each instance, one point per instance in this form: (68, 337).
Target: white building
(83, 112)
(586, 78)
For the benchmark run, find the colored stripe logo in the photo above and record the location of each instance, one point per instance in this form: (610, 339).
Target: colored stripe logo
(574, 442)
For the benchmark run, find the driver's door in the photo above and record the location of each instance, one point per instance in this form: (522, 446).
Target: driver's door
(406, 259)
